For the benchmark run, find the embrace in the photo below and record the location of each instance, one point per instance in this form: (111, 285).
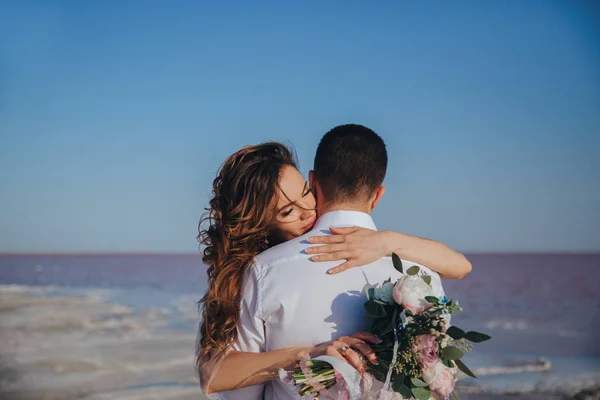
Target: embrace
(274, 297)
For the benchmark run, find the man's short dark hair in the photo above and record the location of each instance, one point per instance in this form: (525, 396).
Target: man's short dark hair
(351, 161)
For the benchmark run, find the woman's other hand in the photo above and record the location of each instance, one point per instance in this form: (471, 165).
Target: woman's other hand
(353, 349)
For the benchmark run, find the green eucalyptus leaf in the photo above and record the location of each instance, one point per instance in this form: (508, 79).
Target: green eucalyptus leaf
(421, 393)
(476, 337)
(416, 382)
(381, 310)
(448, 363)
(397, 263)
(461, 365)
(371, 293)
(432, 299)
(427, 279)
(389, 328)
(455, 333)
(452, 353)
(413, 270)
(371, 308)
(399, 386)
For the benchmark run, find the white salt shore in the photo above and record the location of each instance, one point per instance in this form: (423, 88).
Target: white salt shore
(56, 347)
(63, 348)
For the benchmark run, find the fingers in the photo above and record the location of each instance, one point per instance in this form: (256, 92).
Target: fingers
(339, 235)
(367, 337)
(341, 268)
(367, 351)
(355, 360)
(355, 342)
(364, 348)
(326, 239)
(334, 352)
(335, 256)
(341, 349)
(325, 249)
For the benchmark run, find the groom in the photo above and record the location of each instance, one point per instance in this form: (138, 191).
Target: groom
(290, 301)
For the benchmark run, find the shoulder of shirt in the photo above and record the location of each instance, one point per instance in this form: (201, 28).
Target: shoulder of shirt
(284, 252)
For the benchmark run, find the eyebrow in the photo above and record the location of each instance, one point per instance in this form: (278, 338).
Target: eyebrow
(291, 202)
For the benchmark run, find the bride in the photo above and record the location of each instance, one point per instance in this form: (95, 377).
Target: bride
(261, 200)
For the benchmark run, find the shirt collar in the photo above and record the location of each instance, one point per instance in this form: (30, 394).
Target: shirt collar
(344, 218)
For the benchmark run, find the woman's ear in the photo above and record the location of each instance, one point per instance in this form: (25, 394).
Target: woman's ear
(376, 197)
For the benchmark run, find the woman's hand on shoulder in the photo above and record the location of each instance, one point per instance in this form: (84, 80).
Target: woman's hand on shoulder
(357, 246)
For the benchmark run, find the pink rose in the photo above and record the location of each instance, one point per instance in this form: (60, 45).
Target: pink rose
(426, 348)
(440, 379)
(410, 292)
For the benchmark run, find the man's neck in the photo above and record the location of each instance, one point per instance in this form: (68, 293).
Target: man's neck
(360, 207)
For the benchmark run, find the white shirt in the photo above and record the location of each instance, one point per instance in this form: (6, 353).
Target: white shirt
(290, 301)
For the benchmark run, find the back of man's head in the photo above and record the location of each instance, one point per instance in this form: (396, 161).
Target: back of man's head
(350, 164)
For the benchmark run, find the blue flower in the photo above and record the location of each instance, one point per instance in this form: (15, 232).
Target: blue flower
(443, 300)
(404, 320)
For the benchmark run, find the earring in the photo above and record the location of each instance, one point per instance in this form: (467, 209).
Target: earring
(266, 242)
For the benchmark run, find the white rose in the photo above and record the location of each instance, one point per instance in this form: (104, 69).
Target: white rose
(410, 292)
(440, 379)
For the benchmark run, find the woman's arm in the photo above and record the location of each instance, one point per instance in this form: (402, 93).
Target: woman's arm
(360, 246)
(450, 264)
(240, 369)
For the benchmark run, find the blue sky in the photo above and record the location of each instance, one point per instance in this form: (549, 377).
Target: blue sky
(114, 116)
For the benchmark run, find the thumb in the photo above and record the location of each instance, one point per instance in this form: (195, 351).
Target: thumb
(343, 231)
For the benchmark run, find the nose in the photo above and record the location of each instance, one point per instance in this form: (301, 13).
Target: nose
(306, 214)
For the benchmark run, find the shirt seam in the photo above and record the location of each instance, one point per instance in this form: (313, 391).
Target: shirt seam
(259, 272)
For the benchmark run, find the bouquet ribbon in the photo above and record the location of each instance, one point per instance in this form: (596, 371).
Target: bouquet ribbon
(350, 375)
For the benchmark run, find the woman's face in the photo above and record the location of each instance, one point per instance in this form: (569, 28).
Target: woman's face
(295, 213)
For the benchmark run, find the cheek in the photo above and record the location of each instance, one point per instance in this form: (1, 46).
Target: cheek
(288, 231)
(312, 202)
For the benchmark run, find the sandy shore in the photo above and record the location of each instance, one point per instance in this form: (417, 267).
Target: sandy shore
(59, 348)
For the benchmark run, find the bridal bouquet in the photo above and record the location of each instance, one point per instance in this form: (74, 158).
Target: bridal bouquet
(420, 352)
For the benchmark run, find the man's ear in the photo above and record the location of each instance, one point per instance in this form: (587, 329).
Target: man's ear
(311, 179)
(378, 195)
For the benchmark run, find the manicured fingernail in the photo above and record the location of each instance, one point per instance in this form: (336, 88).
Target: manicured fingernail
(309, 250)
(332, 271)
(379, 340)
(315, 258)
(311, 239)
(375, 362)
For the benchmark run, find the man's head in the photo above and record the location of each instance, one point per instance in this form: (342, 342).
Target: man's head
(349, 168)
